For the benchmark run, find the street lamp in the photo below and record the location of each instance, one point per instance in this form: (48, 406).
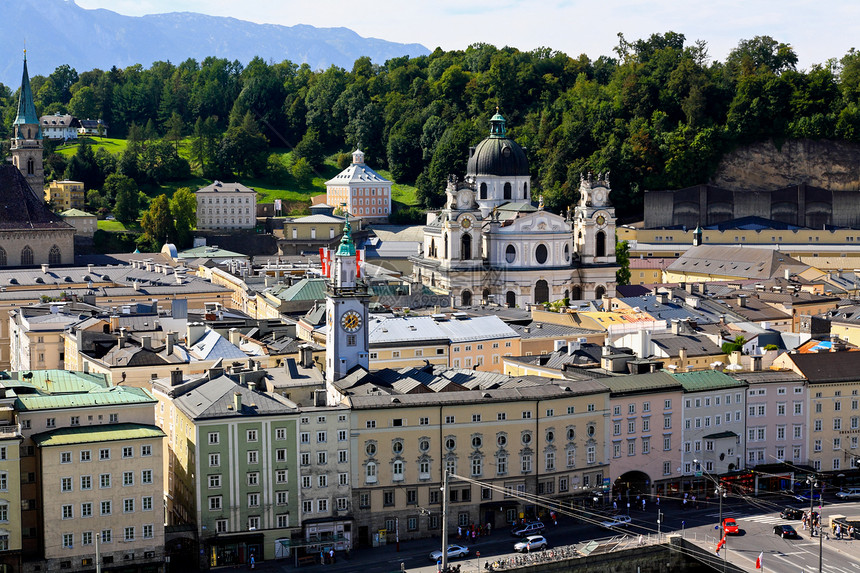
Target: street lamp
(813, 484)
(720, 492)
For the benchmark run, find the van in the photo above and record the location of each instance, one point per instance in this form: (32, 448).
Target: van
(850, 493)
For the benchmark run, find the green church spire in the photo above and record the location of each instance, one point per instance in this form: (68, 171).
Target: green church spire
(347, 247)
(497, 125)
(26, 108)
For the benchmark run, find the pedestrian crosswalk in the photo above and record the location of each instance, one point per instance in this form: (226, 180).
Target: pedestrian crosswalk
(771, 520)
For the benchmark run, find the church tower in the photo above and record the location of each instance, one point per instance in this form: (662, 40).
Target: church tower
(594, 222)
(26, 145)
(346, 312)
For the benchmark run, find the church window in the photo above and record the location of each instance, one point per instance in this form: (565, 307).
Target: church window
(511, 299)
(30, 166)
(541, 254)
(576, 293)
(567, 253)
(3, 262)
(526, 191)
(54, 256)
(466, 247)
(600, 244)
(445, 248)
(510, 253)
(507, 191)
(485, 297)
(483, 190)
(26, 256)
(541, 292)
(599, 292)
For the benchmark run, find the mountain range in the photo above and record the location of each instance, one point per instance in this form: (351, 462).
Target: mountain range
(57, 32)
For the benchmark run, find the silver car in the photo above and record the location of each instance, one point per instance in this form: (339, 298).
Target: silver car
(531, 543)
(454, 551)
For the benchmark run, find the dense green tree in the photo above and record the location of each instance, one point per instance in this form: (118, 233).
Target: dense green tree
(157, 222)
(243, 150)
(622, 258)
(449, 158)
(183, 207)
(302, 172)
(124, 191)
(83, 167)
(310, 148)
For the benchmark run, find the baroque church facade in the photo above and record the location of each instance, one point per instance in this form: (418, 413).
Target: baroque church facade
(30, 234)
(492, 244)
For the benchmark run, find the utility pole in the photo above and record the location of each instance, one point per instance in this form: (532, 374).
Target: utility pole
(445, 523)
(722, 529)
(821, 523)
(98, 534)
(659, 522)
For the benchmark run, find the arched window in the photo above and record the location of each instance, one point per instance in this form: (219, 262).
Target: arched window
(507, 191)
(599, 292)
(510, 253)
(526, 191)
(31, 166)
(567, 253)
(54, 256)
(541, 292)
(432, 252)
(445, 248)
(483, 190)
(576, 293)
(541, 254)
(370, 472)
(466, 247)
(511, 299)
(485, 295)
(466, 298)
(3, 262)
(600, 244)
(26, 256)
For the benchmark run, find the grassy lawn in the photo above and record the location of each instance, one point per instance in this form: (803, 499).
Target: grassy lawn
(116, 226)
(116, 146)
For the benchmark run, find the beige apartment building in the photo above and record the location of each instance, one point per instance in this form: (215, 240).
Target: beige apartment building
(547, 440)
(226, 206)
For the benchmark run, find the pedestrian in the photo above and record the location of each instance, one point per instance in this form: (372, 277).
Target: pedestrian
(529, 547)
(850, 532)
(322, 557)
(658, 501)
(643, 505)
(331, 555)
(695, 503)
(838, 531)
(615, 505)
(459, 532)
(489, 528)
(641, 540)
(252, 561)
(474, 536)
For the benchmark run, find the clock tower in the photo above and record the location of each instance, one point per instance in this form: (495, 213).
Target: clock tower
(346, 312)
(594, 221)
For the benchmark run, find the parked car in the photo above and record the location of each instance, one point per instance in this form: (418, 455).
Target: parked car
(785, 531)
(791, 513)
(617, 521)
(804, 495)
(730, 526)
(531, 543)
(850, 493)
(531, 528)
(454, 551)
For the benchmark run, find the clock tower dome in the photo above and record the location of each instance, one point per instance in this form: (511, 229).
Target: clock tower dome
(346, 312)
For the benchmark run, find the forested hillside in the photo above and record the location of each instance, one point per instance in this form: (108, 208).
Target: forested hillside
(658, 113)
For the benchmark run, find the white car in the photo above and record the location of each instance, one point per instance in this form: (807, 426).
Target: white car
(454, 551)
(531, 543)
(617, 521)
(850, 493)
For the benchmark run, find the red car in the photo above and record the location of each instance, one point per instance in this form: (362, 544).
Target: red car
(730, 526)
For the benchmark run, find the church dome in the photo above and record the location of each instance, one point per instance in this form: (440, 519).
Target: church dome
(498, 154)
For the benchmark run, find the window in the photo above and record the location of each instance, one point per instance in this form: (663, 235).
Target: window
(215, 503)
(147, 531)
(128, 505)
(105, 507)
(86, 509)
(341, 435)
(321, 437)
(371, 424)
(146, 476)
(87, 538)
(449, 419)
(128, 534)
(127, 451)
(67, 512)
(146, 503)
(85, 455)
(66, 457)
(305, 459)
(107, 536)
(68, 542)
(305, 437)
(526, 463)
(501, 416)
(280, 433)
(65, 484)
(104, 480)
(214, 438)
(127, 478)
(75, 421)
(253, 457)
(253, 478)
(214, 481)
(104, 454)
(253, 500)
(214, 460)
(423, 421)
(251, 435)
(146, 450)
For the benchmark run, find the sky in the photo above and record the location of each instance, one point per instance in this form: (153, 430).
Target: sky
(817, 29)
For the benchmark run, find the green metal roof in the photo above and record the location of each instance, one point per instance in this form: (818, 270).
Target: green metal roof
(115, 396)
(90, 434)
(707, 380)
(75, 213)
(347, 247)
(650, 382)
(26, 108)
(59, 381)
(305, 289)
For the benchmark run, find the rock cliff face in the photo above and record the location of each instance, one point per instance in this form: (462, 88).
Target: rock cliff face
(833, 165)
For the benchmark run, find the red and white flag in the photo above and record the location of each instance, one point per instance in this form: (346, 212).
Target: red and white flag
(359, 263)
(758, 561)
(325, 261)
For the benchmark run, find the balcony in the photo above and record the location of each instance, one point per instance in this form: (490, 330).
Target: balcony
(9, 430)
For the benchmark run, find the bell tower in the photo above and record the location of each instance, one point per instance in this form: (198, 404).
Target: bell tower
(594, 222)
(346, 312)
(26, 145)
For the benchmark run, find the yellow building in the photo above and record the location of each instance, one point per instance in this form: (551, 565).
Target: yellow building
(542, 440)
(66, 195)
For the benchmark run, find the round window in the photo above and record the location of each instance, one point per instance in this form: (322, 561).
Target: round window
(571, 434)
(502, 440)
(590, 431)
(511, 254)
(397, 447)
(550, 436)
(424, 445)
(370, 449)
(477, 441)
(450, 443)
(527, 438)
(541, 254)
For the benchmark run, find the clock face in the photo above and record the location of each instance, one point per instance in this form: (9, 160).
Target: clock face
(601, 220)
(466, 223)
(351, 321)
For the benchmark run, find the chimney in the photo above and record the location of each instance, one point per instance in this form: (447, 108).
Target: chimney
(216, 370)
(663, 297)
(573, 346)
(237, 401)
(146, 341)
(114, 323)
(194, 332)
(122, 337)
(606, 351)
(306, 354)
(682, 359)
(676, 327)
(234, 336)
(45, 268)
(788, 274)
(742, 301)
(171, 340)
(252, 386)
(90, 268)
(175, 377)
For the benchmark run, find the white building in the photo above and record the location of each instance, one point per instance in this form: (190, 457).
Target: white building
(491, 242)
(226, 206)
(59, 126)
(363, 191)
